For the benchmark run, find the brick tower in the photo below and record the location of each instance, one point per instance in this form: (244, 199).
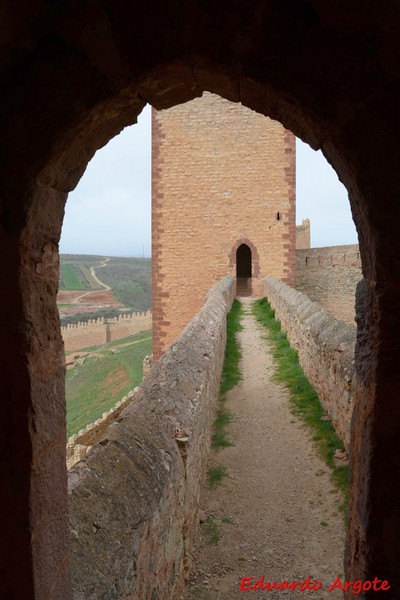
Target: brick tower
(223, 204)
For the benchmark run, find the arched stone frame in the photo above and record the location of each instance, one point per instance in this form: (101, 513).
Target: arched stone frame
(75, 76)
(255, 258)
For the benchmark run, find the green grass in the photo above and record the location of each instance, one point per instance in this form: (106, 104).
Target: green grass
(104, 378)
(130, 281)
(224, 417)
(230, 375)
(228, 520)
(129, 278)
(304, 400)
(215, 476)
(70, 278)
(200, 592)
(211, 531)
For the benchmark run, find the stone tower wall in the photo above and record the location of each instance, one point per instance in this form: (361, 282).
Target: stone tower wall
(330, 276)
(303, 235)
(222, 175)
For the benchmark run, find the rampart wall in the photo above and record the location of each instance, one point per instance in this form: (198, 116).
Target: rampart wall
(303, 235)
(79, 444)
(325, 347)
(134, 498)
(100, 331)
(330, 276)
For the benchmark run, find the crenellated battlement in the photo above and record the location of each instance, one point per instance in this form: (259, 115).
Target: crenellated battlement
(102, 330)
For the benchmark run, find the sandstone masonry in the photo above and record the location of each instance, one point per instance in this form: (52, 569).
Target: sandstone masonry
(325, 347)
(101, 331)
(134, 498)
(330, 276)
(223, 176)
(303, 235)
(81, 443)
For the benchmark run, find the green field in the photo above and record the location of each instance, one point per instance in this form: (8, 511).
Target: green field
(70, 278)
(130, 281)
(128, 278)
(94, 387)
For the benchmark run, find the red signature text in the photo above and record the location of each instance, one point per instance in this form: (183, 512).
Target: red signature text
(248, 584)
(358, 586)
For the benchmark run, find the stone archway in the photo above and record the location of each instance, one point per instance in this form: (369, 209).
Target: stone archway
(243, 271)
(243, 261)
(244, 264)
(72, 78)
(255, 258)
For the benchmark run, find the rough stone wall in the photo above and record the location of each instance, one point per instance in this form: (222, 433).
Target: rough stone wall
(325, 347)
(222, 175)
(79, 444)
(134, 498)
(100, 331)
(330, 276)
(303, 235)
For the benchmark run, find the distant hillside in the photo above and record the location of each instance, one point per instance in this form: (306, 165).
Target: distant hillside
(101, 376)
(129, 279)
(75, 273)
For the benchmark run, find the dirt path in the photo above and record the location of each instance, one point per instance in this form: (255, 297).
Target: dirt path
(93, 274)
(282, 506)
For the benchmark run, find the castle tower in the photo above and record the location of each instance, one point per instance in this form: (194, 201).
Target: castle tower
(223, 204)
(303, 235)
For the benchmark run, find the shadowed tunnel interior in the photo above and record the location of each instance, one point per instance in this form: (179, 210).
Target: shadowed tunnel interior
(243, 261)
(243, 270)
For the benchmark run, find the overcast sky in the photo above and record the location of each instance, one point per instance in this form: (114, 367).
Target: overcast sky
(109, 212)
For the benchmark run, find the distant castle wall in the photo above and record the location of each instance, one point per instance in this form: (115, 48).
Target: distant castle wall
(330, 276)
(101, 331)
(303, 235)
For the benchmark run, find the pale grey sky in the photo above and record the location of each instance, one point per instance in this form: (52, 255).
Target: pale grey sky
(109, 212)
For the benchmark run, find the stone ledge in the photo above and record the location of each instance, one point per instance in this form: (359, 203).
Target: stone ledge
(78, 445)
(325, 347)
(134, 499)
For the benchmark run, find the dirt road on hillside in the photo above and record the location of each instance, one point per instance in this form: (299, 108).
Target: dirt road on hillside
(276, 510)
(93, 274)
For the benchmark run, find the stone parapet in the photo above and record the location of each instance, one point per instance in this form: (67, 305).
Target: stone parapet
(325, 347)
(134, 499)
(330, 276)
(78, 445)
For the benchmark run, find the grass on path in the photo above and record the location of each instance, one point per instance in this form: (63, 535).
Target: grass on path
(215, 476)
(304, 400)
(230, 374)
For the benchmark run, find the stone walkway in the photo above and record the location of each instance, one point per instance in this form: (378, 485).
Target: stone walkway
(276, 511)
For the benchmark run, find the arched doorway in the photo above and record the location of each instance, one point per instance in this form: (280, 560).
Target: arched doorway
(243, 270)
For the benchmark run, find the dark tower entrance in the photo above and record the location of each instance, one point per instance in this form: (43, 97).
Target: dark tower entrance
(243, 270)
